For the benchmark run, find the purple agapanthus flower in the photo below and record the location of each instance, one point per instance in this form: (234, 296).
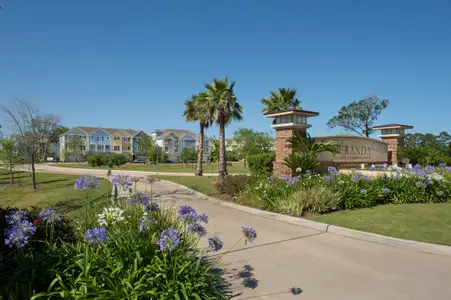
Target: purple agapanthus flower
(442, 165)
(190, 218)
(292, 181)
(328, 178)
(373, 168)
(186, 209)
(50, 215)
(249, 233)
(386, 190)
(429, 169)
(145, 222)
(122, 181)
(285, 177)
(448, 169)
(427, 182)
(96, 235)
(87, 182)
(154, 206)
(16, 217)
(198, 229)
(169, 239)
(215, 243)
(203, 218)
(149, 180)
(140, 199)
(363, 191)
(352, 170)
(332, 170)
(360, 176)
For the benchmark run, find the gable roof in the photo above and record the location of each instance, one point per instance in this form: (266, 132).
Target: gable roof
(177, 132)
(110, 131)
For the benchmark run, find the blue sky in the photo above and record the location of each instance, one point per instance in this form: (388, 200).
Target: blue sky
(132, 64)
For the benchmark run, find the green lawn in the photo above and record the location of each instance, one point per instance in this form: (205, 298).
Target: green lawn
(420, 222)
(54, 190)
(237, 167)
(201, 184)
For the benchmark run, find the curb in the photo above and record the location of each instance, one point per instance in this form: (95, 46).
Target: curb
(332, 229)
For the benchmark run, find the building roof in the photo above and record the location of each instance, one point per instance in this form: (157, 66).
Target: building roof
(307, 113)
(178, 132)
(392, 125)
(110, 131)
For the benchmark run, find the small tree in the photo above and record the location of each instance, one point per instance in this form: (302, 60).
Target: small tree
(75, 147)
(31, 129)
(188, 154)
(359, 116)
(146, 147)
(10, 155)
(252, 142)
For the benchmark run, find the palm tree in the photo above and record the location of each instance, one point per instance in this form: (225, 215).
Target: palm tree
(283, 99)
(224, 107)
(197, 111)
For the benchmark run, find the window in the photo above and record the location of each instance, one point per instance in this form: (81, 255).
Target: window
(83, 147)
(176, 141)
(103, 138)
(100, 148)
(117, 138)
(117, 148)
(136, 148)
(92, 147)
(166, 149)
(107, 137)
(107, 148)
(98, 138)
(176, 149)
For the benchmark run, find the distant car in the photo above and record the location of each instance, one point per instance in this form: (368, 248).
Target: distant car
(138, 161)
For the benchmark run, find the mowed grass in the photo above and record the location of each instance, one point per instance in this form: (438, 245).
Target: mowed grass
(419, 222)
(237, 167)
(53, 190)
(202, 184)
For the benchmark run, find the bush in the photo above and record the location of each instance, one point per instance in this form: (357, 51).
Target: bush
(235, 184)
(317, 199)
(261, 164)
(107, 159)
(299, 162)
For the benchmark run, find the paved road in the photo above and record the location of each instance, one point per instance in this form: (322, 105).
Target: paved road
(321, 265)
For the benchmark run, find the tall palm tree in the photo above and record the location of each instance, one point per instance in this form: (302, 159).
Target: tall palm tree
(197, 111)
(282, 99)
(224, 107)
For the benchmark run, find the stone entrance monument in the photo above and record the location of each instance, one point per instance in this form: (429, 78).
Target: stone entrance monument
(286, 124)
(393, 135)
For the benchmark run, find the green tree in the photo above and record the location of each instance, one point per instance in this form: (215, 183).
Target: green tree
(215, 145)
(283, 99)
(223, 105)
(146, 147)
(188, 154)
(198, 110)
(75, 148)
(159, 155)
(359, 116)
(10, 155)
(252, 142)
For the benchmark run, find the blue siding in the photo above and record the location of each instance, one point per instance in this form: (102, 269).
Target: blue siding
(100, 141)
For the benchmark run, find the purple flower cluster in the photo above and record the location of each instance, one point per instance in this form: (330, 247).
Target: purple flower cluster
(360, 176)
(154, 206)
(442, 165)
(21, 230)
(373, 168)
(386, 190)
(122, 181)
(189, 215)
(249, 233)
(140, 199)
(145, 222)
(185, 209)
(332, 170)
(97, 235)
(87, 182)
(448, 169)
(307, 173)
(328, 178)
(429, 169)
(292, 181)
(198, 229)
(190, 218)
(149, 180)
(352, 170)
(215, 243)
(169, 239)
(50, 215)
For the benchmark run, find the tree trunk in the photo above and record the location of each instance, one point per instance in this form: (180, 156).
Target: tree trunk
(44, 151)
(200, 151)
(222, 162)
(11, 174)
(33, 172)
(244, 162)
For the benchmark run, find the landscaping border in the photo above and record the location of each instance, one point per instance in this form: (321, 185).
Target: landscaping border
(328, 228)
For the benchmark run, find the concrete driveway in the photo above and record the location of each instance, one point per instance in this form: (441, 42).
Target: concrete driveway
(293, 262)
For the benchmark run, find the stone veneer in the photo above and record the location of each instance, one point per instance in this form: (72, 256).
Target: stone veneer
(394, 143)
(283, 148)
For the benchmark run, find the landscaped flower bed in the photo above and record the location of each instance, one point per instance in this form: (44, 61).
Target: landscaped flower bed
(322, 193)
(133, 249)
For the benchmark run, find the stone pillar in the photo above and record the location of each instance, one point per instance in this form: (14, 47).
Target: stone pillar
(283, 149)
(394, 143)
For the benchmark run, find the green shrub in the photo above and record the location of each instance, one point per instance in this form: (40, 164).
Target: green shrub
(235, 184)
(261, 164)
(317, 199)
(107, 159)
(299, 162)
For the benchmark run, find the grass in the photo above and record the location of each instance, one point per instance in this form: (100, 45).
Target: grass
(237, 167)
(420, 222)
(202, 184)
(53, 190)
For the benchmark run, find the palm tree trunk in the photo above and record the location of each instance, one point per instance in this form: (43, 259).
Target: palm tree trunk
(200, 152)
(222, 162)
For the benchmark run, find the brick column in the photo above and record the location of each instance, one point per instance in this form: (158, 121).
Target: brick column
(283, 149)
(394, 143)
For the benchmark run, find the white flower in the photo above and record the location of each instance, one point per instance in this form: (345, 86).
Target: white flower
(111, 216)
(298, 170)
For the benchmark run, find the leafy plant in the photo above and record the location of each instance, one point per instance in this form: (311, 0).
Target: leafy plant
(261, 164)
(317, 199)
(235, 184)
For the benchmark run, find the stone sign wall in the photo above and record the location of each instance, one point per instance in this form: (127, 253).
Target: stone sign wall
(355, 149)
